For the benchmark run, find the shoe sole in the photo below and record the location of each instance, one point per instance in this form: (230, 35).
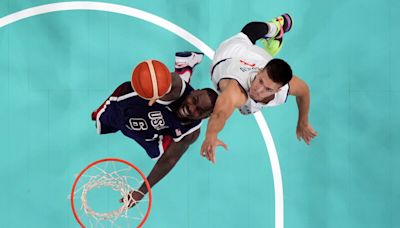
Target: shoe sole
(289, 21)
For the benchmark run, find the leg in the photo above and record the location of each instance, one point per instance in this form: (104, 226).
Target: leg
(256, 30)
(270, 33)
(185, 63)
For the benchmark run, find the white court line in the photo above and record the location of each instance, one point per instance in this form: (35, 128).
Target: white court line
(129, 11)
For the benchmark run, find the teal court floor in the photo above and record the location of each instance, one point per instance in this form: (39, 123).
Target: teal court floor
(57, 67)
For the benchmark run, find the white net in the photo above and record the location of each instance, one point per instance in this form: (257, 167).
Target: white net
(98, 192)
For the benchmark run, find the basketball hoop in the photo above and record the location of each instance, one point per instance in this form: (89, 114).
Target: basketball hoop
(111, 175)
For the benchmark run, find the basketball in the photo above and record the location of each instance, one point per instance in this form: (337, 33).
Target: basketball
(151, 79)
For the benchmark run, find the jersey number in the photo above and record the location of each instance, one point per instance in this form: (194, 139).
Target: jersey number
(139, 124)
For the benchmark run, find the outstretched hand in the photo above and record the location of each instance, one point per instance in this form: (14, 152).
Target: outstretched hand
(133, 198)
(208, 148)
(305, 132)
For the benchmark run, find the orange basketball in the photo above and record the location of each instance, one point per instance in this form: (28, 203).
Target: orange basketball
(151, 79)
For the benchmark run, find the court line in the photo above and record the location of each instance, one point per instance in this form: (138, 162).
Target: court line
(133, 12)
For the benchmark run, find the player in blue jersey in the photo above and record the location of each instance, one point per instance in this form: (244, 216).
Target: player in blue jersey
(167, 128)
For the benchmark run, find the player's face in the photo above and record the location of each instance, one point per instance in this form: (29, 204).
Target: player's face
(263, 87)
(196, 106)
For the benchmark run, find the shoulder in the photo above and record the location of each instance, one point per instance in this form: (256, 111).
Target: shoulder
(174, 104)
(123, 89)
(177, 88)
(230, 85)
(232, 92)
(297, 87)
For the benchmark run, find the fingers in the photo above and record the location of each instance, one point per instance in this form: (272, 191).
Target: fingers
(307, 140)
(310, 132)
(152, 101)
(131, 203)
(211, 154)
(298, 135)
(129, 199)
(132, 198)
(306, 133)
(307, 137)
(208, 149)
(203, 151)
(213, 159)
(220, 143)
(314, 133)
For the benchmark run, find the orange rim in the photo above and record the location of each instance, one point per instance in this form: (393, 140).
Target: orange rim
(111, 160)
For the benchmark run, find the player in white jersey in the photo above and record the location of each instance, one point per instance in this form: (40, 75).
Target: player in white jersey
(248, 78)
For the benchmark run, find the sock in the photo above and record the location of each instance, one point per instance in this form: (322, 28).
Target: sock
(272, 30)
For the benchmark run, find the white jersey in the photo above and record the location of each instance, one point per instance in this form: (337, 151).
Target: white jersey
(237, 58)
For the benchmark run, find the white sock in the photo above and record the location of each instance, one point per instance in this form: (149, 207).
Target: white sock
(272, 29)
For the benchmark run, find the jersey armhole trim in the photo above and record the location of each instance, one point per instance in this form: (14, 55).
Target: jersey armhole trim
(187, 133)
(287, 94)
(241, 87)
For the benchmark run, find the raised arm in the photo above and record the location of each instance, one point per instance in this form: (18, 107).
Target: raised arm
(231, 97)
(300, 89)
(163, 166)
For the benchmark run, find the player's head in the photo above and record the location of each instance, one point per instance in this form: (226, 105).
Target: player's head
(198, 105)
(269, 80)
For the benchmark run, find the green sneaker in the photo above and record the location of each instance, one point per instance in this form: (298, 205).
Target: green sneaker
(283, 23)
(274, 44)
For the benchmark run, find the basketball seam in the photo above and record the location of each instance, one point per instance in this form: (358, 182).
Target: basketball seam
(153, 78)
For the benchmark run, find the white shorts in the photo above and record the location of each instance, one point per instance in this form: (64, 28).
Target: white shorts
(240, 46)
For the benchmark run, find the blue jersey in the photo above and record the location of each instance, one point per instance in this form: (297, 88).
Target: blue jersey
(151, 126)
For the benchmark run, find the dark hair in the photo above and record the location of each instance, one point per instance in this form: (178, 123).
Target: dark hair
(212, 95)
(279, 71)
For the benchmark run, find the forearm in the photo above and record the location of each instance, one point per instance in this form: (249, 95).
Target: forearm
(216, 123)
(230, 98)
(168, 160)
(303, 104)
(165, 164)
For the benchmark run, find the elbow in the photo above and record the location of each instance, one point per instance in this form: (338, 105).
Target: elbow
(304, 90)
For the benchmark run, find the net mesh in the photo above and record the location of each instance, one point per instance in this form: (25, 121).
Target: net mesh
(113, 178)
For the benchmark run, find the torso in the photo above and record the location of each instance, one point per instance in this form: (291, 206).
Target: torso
(132, 113)
(244, 72)
(238, 59)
